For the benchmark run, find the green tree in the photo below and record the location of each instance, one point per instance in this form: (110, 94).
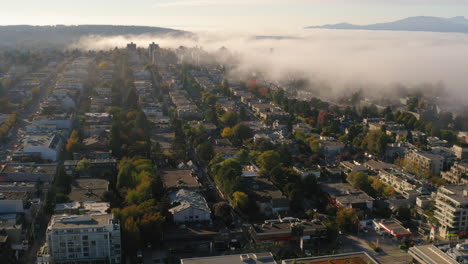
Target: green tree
(241, 132)
(268, 160)
(240, 200)
(230, 118)
(83, 164)
(347, 219)
(205, 152)
(360, 180)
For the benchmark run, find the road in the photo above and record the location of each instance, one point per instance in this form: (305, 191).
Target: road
(390, 252)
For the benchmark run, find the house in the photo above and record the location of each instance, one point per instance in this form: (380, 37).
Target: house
(177, 179)
(189, 207)
(88, 190)
(13, 227)
(345, 195)
(286, 230)
(302, 127)
(331, 147)
(266, 195)
(225, 149)
(96, 142)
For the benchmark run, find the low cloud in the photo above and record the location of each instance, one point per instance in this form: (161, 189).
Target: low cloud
(372, 60)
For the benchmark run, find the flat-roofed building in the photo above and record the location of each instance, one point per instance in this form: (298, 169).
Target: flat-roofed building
(28, 172)
(88, 190)
(266, 195)
(287, 229)
(392, 227)
(251, 258)
(432, 163)
(458, 173)
(345, 195)
(177, 179)
(13, 202)
(84, 239)
(430, 254)
(452, 210)
(348, 258)
(47, 146)
(460, 152)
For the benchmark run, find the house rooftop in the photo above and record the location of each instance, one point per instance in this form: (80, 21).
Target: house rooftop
(179, 179)
(188, 199)
(86, 190)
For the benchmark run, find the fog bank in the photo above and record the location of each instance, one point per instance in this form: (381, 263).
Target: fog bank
(345, 60)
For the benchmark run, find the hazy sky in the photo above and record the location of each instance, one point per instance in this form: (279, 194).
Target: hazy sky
(219, 14)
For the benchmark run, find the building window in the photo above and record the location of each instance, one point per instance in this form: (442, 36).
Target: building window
(85, 237)
(93, 243)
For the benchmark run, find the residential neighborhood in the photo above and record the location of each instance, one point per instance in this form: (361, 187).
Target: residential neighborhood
(143, 154)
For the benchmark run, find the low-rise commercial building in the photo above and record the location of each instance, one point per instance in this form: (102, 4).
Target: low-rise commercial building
(252, 258)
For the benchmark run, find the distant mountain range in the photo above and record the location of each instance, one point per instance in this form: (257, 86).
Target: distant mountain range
(419, 23)
(59, 36)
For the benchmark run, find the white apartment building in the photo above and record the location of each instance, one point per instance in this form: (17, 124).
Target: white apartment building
(452, 209)
(83, 239)
(433, 163)
(458, 173)
(397, 180)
